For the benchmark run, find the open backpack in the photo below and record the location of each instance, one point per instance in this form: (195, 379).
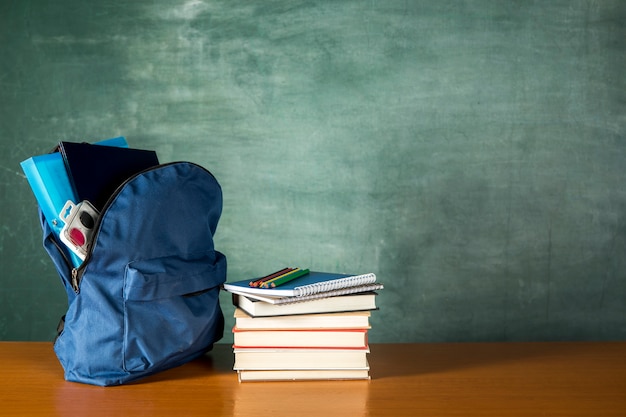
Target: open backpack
(146, 297)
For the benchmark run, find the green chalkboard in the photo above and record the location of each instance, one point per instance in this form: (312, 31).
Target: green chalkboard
(471, 154)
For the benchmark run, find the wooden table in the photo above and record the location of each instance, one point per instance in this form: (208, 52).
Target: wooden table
(469, 379)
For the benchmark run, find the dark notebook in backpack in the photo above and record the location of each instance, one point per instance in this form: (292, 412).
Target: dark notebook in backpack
(96, 171)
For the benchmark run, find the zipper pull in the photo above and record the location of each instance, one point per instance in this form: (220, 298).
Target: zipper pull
(75, 280)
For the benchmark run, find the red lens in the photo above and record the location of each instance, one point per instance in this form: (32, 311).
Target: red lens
(77, 237)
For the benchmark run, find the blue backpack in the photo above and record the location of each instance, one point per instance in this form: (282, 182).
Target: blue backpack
(146, 298)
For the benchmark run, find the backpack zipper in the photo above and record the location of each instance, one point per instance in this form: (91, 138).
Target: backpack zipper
(77, 272)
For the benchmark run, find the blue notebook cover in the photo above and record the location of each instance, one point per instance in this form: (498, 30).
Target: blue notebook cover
(312, 283)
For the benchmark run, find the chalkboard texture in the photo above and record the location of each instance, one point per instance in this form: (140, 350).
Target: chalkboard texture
(471, 154)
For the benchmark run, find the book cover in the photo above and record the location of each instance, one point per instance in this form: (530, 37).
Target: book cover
(309, 284)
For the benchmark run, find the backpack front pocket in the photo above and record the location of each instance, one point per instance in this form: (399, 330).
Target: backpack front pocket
(165, 308)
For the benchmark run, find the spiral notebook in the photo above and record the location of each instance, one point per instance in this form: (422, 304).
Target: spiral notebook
(310, 284)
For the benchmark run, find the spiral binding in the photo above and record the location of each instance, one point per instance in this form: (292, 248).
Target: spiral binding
(334, 293)
(336, 284)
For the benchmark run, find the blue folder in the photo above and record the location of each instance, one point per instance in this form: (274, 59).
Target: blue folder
(50, 182)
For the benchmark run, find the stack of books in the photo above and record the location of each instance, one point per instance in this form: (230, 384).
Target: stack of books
(314, 326)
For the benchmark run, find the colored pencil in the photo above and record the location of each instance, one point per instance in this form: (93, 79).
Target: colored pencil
(266, 283)
(273, 283)
(259, 281)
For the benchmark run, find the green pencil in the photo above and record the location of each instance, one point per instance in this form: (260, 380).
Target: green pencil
(273, 283)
